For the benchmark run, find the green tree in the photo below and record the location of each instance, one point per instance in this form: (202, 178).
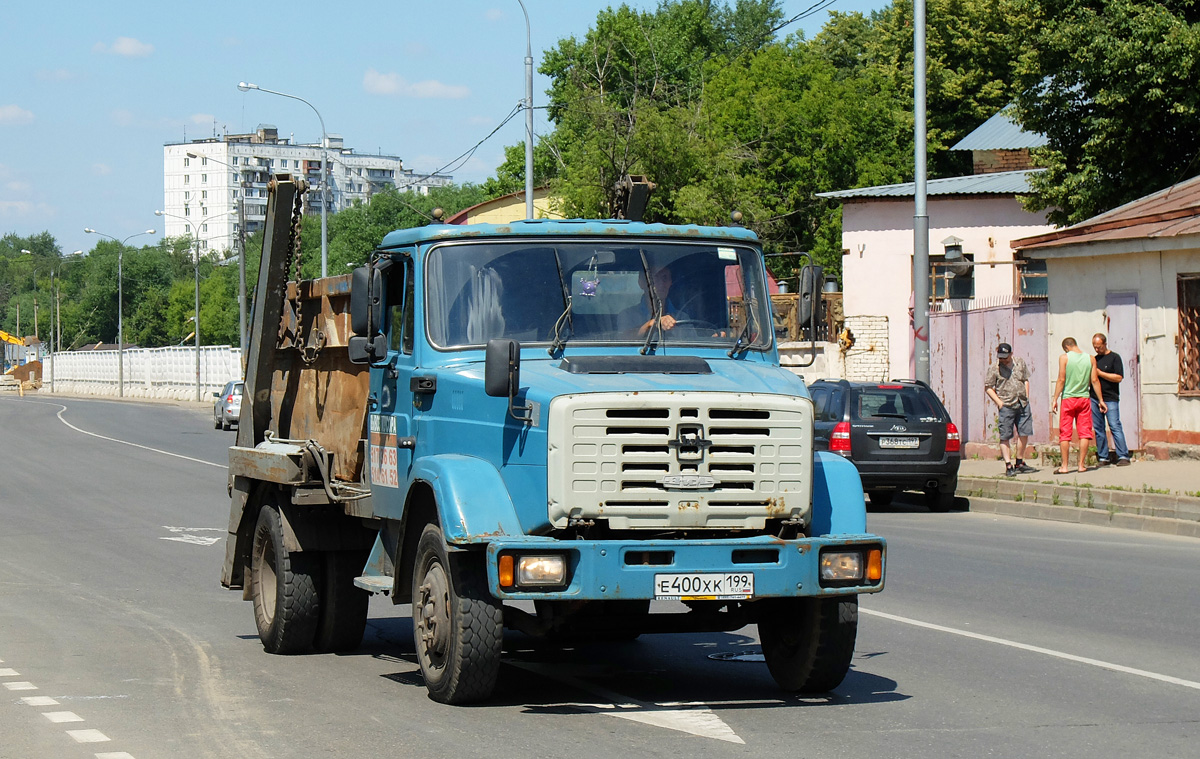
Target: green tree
(1112, 85)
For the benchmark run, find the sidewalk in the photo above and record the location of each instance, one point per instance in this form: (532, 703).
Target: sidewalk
(1155, 496)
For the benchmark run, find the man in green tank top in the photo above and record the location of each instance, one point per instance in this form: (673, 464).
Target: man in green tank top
(1076, 373)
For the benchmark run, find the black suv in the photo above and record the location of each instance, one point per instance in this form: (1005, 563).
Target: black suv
(897, 433)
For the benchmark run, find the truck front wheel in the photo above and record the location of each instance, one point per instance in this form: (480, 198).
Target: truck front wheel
(283, 585)
(457, 626)
(808, 642)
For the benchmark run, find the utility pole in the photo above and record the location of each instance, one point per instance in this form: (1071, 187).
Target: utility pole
(920, 317)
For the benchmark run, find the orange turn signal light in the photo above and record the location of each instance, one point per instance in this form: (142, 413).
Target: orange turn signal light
(506, 571)
(875, 565)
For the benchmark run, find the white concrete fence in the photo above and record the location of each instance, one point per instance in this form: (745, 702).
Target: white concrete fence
(149, 372)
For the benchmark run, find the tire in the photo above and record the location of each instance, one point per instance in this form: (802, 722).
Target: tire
(226, 426)
(217, 423)
(284, 588)
(881, 498)
(808, 642)
(940, 500)
(343, 617)
(457, 625)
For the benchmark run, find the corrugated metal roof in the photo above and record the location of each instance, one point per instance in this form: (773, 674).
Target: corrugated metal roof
(1172, 212)
(1000, 132)
(999, 183)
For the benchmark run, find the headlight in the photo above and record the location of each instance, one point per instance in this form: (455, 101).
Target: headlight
(541, 570)
(841, 566)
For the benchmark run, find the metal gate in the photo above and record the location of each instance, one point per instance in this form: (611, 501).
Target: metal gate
(962, 347)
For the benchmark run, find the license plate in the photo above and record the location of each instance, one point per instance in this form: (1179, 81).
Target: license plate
(899, 442)
(704, 586)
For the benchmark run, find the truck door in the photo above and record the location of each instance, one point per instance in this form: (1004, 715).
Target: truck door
(391, 418)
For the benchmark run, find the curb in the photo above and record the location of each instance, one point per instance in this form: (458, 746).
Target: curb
(1151, 512)
(1095, 517)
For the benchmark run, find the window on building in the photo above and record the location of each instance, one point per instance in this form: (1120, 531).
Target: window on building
(204, 161)
(187, 179)
(950, 280)
(204, 210)
(187, 195)
(203, 178)
(1189, 334)
(187, 211)
(235, 161)
(204, 245)
(186, 162)
(1032, 279)
(204, 228)
(204, 194)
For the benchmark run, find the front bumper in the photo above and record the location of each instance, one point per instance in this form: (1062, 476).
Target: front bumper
(617, 570)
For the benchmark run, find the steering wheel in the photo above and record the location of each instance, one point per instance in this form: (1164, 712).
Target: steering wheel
(696, 324)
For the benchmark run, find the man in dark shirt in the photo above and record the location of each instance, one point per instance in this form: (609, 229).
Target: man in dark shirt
(1111, 371)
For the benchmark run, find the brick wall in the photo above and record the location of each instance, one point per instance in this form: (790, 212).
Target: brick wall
(867, 360)
(992, 161)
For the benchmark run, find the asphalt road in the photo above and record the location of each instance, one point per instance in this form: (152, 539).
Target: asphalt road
(995, 636)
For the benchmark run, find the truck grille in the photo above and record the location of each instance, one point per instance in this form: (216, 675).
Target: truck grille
(674, 460)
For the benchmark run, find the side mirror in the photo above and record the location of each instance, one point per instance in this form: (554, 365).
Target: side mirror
(366, 301)
(502, 375)
(811, 278)
(502, 368)
(366, 350)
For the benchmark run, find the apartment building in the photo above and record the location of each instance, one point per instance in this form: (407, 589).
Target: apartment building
(205, 180)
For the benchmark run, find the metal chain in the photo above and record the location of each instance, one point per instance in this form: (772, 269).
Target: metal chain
(293, 267)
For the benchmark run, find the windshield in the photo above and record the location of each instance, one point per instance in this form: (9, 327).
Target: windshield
(607, 291)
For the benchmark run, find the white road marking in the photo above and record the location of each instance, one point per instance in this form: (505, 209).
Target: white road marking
(39, 701)
(62, 716)
(183, 535)
(194, 539)
(1037, 649)
(114, 755)
(694, 718)
(20, 686)
(5, 672)
(63, 409)
(88, 736)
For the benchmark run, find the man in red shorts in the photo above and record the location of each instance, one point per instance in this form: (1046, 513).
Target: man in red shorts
(1076, 373)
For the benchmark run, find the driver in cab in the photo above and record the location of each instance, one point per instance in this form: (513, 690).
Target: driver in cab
(642, 315)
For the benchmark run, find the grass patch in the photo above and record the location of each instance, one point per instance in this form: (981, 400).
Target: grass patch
(1156, 491)
(1192, 493)
(1055, 499)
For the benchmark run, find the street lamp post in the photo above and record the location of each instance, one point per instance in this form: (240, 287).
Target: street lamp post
(241, 239)
(528, 116)
(56, 313)
(120, 304)
(244, 86)
(196, 268)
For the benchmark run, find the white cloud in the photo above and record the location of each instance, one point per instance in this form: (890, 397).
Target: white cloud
(202, 119)
(127, 47)
(55, 75)
(21, 208)
(15, 114)
(123, 117)
(101, 169)
(377, 83)
(18, 186)
(494, 14)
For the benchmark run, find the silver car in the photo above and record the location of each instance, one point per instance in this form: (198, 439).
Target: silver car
(228, 407)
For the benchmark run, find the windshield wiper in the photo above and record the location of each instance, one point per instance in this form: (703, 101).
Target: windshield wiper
(559, 341)
(656, 307)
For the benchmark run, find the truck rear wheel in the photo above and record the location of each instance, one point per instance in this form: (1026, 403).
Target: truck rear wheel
(283, 585)
(457, 626)
(808, 642)
(343, 617)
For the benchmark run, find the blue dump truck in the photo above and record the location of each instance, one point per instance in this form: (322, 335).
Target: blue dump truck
(565, 428)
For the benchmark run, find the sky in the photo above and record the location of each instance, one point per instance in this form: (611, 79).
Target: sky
(90, 92)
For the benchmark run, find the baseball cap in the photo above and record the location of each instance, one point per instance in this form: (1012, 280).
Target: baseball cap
(1003, 350)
